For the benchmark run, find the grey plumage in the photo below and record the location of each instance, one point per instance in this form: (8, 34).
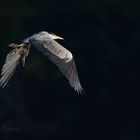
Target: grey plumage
(14, 57)
(45, 43)
(12, 60)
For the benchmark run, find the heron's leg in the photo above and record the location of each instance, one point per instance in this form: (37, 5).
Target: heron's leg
(12, 45)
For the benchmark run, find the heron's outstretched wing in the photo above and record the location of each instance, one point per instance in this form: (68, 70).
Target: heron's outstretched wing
(12, 60)
(61, 57)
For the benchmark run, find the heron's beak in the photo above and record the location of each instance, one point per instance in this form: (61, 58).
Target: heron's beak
(56, 37)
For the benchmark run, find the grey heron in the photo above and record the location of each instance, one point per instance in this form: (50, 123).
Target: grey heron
(44, 42)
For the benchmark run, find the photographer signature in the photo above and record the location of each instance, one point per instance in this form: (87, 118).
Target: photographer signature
(6, 129)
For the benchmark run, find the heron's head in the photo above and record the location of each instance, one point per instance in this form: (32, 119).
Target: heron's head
(53, 36)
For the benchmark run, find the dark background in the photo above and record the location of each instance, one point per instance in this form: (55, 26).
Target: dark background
(104, 39)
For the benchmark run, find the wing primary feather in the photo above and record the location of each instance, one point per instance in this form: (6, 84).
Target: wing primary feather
(59, 56)
(11, 62)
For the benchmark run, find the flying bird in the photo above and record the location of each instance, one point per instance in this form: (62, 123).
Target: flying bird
(46, 44)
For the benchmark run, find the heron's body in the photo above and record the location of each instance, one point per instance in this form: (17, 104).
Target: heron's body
(45, 43)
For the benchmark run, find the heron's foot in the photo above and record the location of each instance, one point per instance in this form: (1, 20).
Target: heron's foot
(13, 45)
